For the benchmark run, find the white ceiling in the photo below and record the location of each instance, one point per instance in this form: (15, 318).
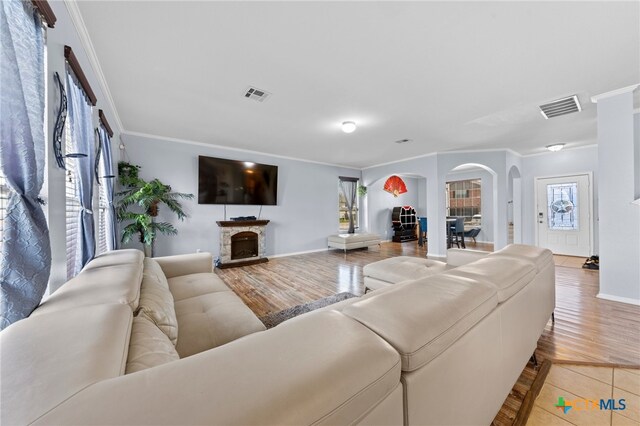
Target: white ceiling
(448, 75)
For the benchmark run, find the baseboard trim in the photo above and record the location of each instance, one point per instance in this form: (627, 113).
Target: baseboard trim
(437, 257)
(273, 256)
(620, 299)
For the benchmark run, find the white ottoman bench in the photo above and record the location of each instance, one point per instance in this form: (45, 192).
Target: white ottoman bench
(353, 241)
(397, 269)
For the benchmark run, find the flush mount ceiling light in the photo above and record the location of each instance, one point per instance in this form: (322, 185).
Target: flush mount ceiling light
(555, 147)
(348, 126)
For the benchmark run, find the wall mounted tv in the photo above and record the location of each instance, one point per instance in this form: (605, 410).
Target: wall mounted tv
(222, 181)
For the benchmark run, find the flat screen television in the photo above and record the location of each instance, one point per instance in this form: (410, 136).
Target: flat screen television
(222, 181)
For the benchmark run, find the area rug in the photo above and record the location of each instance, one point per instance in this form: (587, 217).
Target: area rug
(576, 393)
(271, 320)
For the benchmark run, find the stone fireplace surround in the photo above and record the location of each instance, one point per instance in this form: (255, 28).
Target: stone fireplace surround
(229, 228)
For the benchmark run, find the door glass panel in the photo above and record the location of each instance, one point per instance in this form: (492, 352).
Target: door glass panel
(562, 202)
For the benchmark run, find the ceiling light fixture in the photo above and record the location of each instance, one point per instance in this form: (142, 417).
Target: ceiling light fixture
(555, 147)
(348, 126)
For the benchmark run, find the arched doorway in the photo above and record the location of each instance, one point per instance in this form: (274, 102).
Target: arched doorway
(487, 219)
(378, 204)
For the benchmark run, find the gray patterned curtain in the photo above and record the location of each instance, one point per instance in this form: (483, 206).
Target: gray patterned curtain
(81, 122)
(349, 187)
(112, 240)
(26, 252)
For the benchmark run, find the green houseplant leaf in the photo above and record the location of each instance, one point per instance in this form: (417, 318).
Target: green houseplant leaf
(140, 203)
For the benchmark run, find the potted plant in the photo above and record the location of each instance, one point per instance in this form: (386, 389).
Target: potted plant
(362, 190)
(128, 173)
(147, 197)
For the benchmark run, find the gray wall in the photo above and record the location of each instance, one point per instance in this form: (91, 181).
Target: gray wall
(620, 219)
(556, 164)
(307, 210)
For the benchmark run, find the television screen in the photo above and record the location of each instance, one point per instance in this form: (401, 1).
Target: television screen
(223, 181)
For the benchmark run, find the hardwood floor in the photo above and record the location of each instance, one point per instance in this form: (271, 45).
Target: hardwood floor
(586, 328)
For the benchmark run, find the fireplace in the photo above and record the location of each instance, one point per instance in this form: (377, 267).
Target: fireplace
(242, 242)
(244, 245)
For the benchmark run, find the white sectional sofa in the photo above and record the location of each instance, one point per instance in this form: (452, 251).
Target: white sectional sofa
(105, 348)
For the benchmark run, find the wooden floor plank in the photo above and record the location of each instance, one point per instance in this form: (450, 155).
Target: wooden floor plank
(586, 328)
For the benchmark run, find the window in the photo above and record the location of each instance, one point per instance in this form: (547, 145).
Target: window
(73, 209)
(101, 190)
(464, 199)
(343, 210)
(4, 199)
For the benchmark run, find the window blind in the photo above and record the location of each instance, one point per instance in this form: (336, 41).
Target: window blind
(4, 199)
(101, 240)
(73, 209)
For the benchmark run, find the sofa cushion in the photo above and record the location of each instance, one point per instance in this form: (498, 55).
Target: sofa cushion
(422, 318)
(509, 275)
(212, 320)
(153, 270)
(148, 346)
(185, 264)
(538, 255)
(156, 301)
(51, 357)
(402, 268)
(187, 286)
(96, 286)
(115, 257)
(458, 257)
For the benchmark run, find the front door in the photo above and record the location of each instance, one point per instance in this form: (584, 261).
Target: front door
(564, 214)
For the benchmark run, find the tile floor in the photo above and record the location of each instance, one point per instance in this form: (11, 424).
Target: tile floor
(583, 387)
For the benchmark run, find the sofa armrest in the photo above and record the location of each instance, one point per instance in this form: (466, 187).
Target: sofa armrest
(185, 264)
(459, 257)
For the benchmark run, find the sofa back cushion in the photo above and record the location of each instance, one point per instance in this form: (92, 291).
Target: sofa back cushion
(156, 301)
(422, 318)
(48, 358)
(115, 257)
(539, 256)
(148, 347)
(117, 283)
(509, 275)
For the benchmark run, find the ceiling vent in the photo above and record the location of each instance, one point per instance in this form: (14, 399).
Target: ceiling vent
(561, 107)
(256, 94)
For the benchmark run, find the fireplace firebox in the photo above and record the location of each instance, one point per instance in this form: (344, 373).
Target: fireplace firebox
(244, 245)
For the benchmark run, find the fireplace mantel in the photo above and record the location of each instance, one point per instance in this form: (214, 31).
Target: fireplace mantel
(229, 228)
(240, 223)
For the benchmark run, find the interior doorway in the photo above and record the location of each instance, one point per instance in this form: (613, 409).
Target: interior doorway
(564, 207)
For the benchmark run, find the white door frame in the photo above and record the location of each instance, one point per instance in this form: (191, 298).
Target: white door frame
(589, 191)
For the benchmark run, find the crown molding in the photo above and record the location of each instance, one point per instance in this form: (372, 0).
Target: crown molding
(83, 34)
(616, 92)
(228, 148)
